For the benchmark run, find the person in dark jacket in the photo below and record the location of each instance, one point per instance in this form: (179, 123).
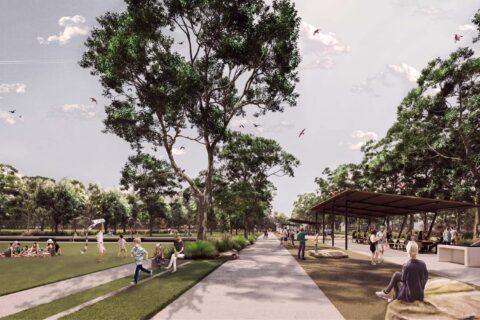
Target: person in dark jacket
(409, 284)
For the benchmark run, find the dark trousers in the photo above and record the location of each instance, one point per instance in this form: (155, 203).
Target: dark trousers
(301, 250)
(137, 270)
(395, 284)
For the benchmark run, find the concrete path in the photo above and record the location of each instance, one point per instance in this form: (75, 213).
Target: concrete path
(26, 299)
(266, 282)
(445, 269)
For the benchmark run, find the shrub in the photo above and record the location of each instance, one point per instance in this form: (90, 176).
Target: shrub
(200, 249)
(467, 235)
(225, 244)
(240, 242)
(252, 239)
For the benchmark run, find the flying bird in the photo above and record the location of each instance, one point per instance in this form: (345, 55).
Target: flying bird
(256, 125)
(457, 37)
(302, 133)
(242, 126)
(180, 43)
(12, 111)
(93, 100)
(20, 117)
(182, 148)
(316, 31)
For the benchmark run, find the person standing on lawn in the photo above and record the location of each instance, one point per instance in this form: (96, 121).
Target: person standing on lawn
(101, 248)
(301, 247)
(139, 254)
(409, 284)
(373, 247)
(122, 247)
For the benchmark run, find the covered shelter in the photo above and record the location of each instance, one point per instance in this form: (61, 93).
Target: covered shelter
(365, 204)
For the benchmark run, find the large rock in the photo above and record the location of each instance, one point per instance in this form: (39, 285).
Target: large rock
(229, 255)
(445, 299)
(328, 253)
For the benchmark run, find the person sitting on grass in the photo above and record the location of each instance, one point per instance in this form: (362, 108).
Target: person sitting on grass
(9, 252)
(122, 247)
(159, 258)
(25, 251)
(56, 248)
(409, 284)
(178, 253)
(139, 254)
(34, 250)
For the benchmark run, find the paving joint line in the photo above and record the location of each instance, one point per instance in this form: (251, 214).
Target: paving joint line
(106, 296)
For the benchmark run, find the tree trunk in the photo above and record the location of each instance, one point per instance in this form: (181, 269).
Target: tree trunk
(151, 225)
(425, 222)
(202, 213)
(476, 223)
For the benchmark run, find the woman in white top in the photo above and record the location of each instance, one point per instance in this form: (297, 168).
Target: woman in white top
(101, 248)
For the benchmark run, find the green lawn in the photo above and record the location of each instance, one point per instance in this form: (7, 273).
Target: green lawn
(24, 273)
(145, 300)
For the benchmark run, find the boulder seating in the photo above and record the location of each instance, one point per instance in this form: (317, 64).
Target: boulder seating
(228, 255)
(445, 299)
(328, 253)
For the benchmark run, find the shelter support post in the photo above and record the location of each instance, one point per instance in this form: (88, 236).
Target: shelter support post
(323, 225)
(431, 226)
(333, 226)
(403, 226)
(316, 222)
(369, 223)
(346, 225)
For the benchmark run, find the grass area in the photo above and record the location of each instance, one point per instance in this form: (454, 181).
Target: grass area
(350, 283)
(147, 299)
(24, 273)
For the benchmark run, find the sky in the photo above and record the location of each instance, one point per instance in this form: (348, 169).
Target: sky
(354, 73)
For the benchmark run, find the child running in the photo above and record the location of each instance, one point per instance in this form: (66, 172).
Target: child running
(101, 248)
(122, 247)
(139, 254)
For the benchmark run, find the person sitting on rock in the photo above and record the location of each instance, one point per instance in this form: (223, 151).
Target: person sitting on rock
(409, 284)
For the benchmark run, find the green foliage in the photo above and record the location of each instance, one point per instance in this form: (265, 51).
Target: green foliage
(252, 239)
(238, 56)
(200, 249)
(240, 242)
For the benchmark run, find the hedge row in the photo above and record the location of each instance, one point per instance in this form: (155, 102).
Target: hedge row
(210, 249)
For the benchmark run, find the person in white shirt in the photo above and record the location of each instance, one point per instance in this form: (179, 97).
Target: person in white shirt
(100, 246)
(381, 235)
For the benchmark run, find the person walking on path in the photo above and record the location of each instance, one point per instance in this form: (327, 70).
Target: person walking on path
(292, 237)
(178, 253)
(454, 235)
(139, 254)
(381, 235)
(447, 236)
(373, 247)
(301, 246)
(285, 236)
(409, 284)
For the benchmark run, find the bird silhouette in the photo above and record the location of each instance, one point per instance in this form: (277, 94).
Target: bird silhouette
(93, 100)
(180, 43)
(12, 111)
(242, 126)
(20, 117)
(316, 31)
(256, 125)
(182, 148)
(457, 37)
(302, 133)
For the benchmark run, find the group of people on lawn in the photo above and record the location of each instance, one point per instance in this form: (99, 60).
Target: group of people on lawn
(16, 250)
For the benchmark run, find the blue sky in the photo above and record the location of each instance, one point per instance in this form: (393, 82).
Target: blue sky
(354, 73)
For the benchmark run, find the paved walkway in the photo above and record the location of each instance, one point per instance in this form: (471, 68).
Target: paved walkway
(264, 283)
(445, 269)
(26, 299)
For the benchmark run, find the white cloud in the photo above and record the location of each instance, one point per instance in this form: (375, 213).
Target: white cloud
(405, 71)
(361, 138)
(7, 118)
(178, 152)
(467, 27)
(421, 9)
(73, 26)
(12, 87)
(80, 110)
(319, 50)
